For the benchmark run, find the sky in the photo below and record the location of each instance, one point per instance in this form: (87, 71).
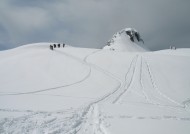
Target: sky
(91, 23)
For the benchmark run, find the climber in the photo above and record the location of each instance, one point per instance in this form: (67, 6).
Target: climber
(58, 45)
(51, 47)
(54, 45)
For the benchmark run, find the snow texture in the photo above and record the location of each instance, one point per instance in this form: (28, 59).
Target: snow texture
(71, 90)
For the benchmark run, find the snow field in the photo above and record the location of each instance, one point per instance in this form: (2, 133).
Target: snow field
(77, 90)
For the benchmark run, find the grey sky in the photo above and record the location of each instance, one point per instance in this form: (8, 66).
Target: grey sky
(91, 23)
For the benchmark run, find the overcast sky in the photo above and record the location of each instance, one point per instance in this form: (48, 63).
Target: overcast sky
(91, 23)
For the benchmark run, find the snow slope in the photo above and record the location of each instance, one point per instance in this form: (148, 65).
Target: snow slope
(78, 90)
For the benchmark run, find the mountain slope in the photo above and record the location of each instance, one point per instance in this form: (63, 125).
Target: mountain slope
(79, 90)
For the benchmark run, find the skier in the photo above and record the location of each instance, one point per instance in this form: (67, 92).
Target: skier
(63, 44)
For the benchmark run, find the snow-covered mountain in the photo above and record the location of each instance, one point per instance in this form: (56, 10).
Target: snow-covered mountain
(71, 90)
(127, 39)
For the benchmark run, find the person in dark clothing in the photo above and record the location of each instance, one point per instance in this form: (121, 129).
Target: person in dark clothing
(54, 45)
(58, 45)
(51, 47)
(63, 44)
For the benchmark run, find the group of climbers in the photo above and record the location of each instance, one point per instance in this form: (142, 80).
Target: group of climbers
(56, 45)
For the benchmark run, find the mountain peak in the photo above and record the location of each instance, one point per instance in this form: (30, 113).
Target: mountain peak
(127, 39)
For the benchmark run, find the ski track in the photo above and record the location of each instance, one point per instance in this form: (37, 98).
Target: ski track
(58, 87)
(150, 98)
(71, 126)
(100, 127)
(124, 88)
(88, 112)
(88, 109)
(49, 89)
(79, 120)
(141, 83)
(54, 88)
(155, 87)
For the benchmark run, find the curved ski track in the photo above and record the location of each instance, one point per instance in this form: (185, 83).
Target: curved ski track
(54, 88)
